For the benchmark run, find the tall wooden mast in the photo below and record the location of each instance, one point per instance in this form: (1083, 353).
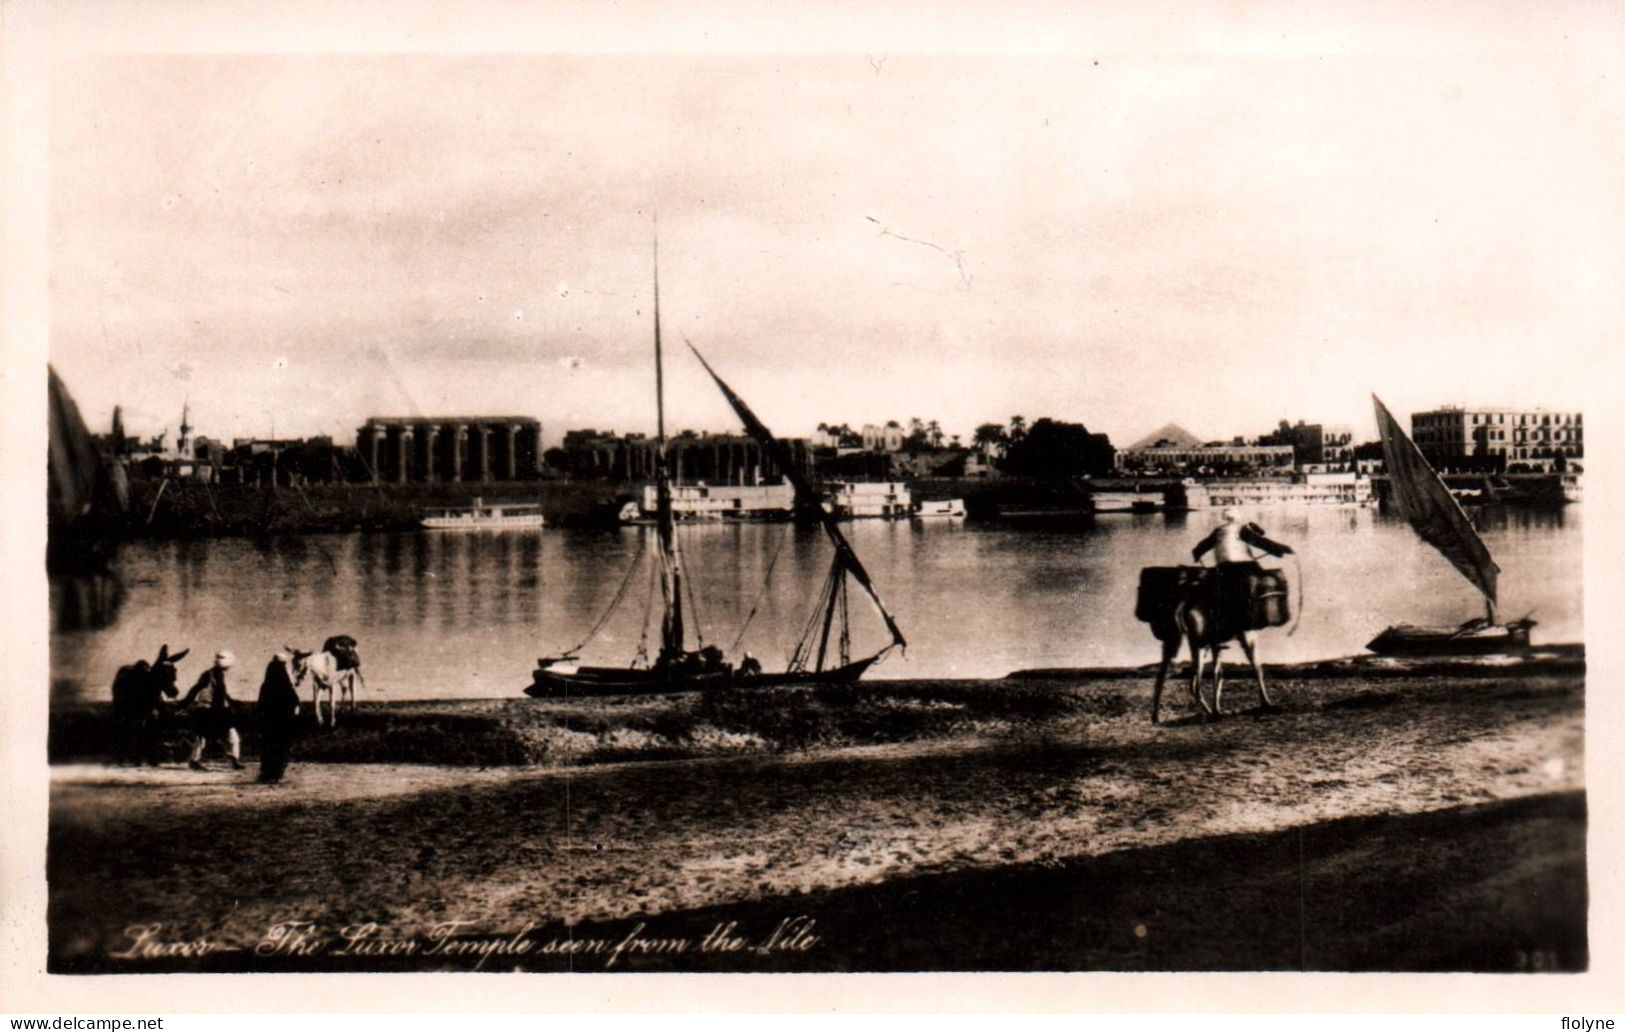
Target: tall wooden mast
(671, 567)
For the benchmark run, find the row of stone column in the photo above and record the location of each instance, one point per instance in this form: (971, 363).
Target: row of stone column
(718, 462)
(450, 452)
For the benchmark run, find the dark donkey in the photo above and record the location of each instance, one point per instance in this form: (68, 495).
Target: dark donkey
(138, 693)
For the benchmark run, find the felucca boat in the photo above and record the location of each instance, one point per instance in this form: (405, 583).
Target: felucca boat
(822, 656)
(1427, 505)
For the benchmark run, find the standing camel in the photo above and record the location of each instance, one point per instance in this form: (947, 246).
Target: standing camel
(333, 672)
(1192, 619)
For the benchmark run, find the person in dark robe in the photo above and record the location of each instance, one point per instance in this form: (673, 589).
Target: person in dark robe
(278, 718)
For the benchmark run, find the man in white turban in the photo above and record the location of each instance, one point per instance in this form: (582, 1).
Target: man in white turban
(215, 722)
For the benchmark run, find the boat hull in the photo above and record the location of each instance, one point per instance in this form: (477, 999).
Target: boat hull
(948, 509)
(502, 523)
(1408, 640)
(839, 675)
(604, 681)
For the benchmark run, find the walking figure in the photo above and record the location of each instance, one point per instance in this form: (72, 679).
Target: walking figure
(215, 722)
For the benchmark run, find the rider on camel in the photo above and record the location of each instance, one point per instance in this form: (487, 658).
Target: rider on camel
(1232, 544)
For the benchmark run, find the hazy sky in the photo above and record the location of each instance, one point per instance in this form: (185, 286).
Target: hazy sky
(1216, 240)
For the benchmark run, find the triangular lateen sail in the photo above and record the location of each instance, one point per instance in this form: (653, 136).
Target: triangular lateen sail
(1432, 511)
(781, 457)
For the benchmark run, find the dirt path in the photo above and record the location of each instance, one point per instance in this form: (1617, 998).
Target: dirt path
(407, 847)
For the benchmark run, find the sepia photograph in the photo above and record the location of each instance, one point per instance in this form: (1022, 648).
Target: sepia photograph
(1117, 507)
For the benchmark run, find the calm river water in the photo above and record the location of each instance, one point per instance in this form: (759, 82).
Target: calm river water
(461, 614)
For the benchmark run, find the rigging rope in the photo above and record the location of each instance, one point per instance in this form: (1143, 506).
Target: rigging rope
(694, 612)
(626, 582)
(804, 647)
(767, 579)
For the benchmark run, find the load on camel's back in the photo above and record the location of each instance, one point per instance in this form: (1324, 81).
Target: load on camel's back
(334, 673)
(1208, 607)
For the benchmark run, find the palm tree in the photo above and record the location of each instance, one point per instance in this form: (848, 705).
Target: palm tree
(933, 430)
(1018, 428)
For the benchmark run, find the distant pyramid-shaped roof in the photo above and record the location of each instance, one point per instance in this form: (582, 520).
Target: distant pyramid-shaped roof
(1167, 434)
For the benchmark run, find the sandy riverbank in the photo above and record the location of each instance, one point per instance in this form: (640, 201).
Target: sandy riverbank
(1410, 822)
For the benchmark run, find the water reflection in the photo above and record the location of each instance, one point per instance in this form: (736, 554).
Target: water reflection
(466, 614)
(85, 601)
(1502, 517)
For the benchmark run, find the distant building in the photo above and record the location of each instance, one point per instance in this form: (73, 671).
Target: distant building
(157, 457)
(690, 457)
(1172, 450)
(1504, 437)
(1218, 455)
(450, 449)
(887, 438)
(1313, 444)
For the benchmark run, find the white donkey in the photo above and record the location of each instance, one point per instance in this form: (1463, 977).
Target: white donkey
(334, 671)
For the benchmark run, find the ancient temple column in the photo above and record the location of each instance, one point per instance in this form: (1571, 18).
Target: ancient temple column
(459, 441)
(431, 440)
(501, 444)
(373, 440)
(513, 451)
(403, 449)
(533, 449)
(484, 433)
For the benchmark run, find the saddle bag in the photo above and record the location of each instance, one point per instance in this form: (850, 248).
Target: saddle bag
(1271, 604)
(1250, 597)
(1161, 588)
(1244, 596)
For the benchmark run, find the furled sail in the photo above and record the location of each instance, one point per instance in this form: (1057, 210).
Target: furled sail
(1432, 511)
(781, 457)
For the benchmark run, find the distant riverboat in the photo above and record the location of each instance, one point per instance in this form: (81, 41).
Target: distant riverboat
(1128, 501)
(1298, 490)
(868, 501)
(479, 516)
(747, 502)
(943, 508)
